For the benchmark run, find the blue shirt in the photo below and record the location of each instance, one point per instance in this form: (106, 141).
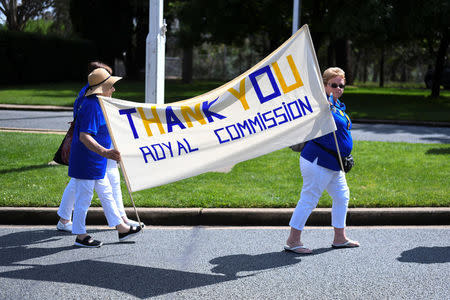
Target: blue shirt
(77, 102)
(84, 163)
(344, 138)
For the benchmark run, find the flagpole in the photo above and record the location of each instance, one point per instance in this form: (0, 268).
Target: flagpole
(338, 152)
(335, 140)
(124, 173)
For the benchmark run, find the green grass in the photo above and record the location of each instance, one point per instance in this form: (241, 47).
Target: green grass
(385, 175)
(64, 94)
(365, 102)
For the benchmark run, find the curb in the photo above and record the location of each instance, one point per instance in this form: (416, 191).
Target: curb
(35, 107)
(31, 130)
(238, 216)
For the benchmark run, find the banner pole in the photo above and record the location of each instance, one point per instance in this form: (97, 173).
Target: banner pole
(124, 173)
(129, 192)
(338, 152)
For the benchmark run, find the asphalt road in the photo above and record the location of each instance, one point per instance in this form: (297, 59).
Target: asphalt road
(363, 132)
(225, 263)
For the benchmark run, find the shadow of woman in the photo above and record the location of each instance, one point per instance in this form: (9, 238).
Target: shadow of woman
(426, 255)
(15, 247)
(230, 265)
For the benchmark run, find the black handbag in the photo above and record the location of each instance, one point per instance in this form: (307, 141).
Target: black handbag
(347, 161)
(298, 147)
(62, 155)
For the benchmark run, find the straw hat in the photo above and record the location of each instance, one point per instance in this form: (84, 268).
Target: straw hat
(99, 81)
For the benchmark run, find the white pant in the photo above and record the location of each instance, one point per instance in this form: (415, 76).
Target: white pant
(68, 197)
(84, 190)
(112, 173)
(316, 179)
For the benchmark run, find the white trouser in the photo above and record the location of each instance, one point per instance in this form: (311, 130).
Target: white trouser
(68, 197)
(113, 175)
(84, 190)
(67, 201)
(316, 179)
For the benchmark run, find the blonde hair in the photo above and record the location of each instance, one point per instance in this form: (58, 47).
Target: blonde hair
(330, 73)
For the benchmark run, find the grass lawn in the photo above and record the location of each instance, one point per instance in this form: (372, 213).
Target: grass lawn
(396, 104)
(365, 102)
(64, 94)
(385, 175)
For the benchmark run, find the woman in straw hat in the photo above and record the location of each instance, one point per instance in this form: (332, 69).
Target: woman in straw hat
(90, 150)
(112, 173)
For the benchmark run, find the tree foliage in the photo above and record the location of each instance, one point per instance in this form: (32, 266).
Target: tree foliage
(108, 23)
(230, 22)
(18, 14)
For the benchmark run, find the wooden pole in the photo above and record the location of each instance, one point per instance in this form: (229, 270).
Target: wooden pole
(338, 152)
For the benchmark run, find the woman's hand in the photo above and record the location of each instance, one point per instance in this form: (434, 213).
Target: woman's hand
(92, 145)
(112, 154)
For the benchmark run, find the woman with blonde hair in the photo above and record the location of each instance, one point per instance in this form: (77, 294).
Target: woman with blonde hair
(321, 171)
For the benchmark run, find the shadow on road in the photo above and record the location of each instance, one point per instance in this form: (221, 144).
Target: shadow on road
(426, 255)
(139, 281)
(15, 247)
(142, 282)
(232, 264)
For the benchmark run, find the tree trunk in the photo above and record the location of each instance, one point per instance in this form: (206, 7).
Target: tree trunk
(349, 78)
(188, 53)
(393, 70)
(365, 66)
(375, 72)
(382, 67)
(342, 53)
(11, 17)
(356, 69)
(330, 54)
(439, 66)
(403, 77)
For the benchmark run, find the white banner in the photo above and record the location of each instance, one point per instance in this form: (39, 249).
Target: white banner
(279, 102)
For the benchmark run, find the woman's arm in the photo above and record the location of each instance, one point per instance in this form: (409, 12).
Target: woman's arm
(92, 145)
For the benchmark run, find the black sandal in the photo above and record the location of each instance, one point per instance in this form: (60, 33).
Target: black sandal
(88, 242)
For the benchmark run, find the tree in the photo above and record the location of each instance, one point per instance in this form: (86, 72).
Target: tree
(108, 23)
(229, 22)
(427, 21)
(62, 25)
(192, 18)
(17, 15)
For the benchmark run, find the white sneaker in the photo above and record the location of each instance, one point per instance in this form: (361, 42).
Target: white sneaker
(134, 223)
(64, 227)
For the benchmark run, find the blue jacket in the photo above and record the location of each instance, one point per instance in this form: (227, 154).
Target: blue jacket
(343, 135)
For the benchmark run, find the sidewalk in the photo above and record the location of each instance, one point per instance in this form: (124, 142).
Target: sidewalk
(238, 216)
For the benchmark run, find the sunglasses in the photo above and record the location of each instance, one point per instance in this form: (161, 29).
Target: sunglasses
(335, 85)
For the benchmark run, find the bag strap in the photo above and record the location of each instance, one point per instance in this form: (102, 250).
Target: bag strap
(327, 150)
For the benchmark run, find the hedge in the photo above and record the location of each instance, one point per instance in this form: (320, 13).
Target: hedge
(34, 58)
